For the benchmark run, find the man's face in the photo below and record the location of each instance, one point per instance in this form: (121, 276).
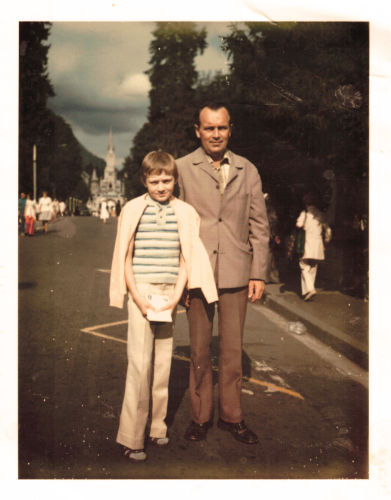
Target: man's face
(22, 195)
(214, 131)
(160, 187)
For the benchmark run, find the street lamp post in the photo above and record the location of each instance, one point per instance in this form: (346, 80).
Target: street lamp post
(35, 171)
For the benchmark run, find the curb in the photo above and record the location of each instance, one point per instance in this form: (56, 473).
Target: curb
(351, 348)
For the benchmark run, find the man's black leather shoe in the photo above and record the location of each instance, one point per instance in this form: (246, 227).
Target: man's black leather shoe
(239, 430)
(197, 432)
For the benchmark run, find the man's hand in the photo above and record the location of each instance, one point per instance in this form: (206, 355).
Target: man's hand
(255, 289)
(185, 299)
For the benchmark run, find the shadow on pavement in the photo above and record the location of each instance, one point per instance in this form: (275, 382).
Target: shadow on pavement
(27, 286)
(179, 377)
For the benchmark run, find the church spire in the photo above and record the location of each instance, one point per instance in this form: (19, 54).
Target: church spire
(110, 147)
(94, 176)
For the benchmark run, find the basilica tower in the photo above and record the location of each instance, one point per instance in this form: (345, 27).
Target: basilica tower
(110, 188)
(110, 175)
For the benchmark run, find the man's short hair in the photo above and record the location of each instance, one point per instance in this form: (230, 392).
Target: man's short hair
(214, 105)
(158, 162)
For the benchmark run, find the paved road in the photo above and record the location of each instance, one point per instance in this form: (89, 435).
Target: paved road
(308, 404)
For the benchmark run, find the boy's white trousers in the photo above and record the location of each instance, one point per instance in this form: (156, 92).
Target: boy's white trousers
(149, 362)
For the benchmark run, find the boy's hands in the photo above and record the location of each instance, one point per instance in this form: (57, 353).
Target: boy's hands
(171, 305)
(143, 304)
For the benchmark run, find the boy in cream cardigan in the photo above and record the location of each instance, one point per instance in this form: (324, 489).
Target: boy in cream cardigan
(157, 251)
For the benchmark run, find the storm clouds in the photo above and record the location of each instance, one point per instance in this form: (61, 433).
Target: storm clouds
(98, 73)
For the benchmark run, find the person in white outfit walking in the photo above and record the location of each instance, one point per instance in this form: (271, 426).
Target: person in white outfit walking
(62, 208)
(315, 225)
(45, 209)
(104, 214)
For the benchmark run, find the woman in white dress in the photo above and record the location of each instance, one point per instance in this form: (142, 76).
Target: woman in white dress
(104, 214)
(62, 208)
(30, 215)
(45, 209)
(314, 223)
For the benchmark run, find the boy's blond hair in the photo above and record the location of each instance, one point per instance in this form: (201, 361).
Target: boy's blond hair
(158, 162)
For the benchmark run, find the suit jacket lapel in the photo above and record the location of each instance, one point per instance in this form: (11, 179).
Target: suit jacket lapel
(234, 168)
(209, 170)
(202, 162)
(233, 173)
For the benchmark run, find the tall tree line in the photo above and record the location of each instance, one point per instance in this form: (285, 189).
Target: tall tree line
(172, 97)
(59, 160)
(308, 83)
(298, 94)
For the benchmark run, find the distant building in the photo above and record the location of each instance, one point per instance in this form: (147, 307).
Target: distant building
(110, 188)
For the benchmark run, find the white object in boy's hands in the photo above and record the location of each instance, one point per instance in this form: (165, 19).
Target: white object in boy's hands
(158, 301)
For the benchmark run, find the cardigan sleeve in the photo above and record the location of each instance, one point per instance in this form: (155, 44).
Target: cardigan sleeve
(116, 294)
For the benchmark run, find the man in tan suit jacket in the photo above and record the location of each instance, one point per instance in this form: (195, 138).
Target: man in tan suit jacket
(226, 191)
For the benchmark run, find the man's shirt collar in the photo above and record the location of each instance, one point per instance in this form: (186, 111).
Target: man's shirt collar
(226, 158)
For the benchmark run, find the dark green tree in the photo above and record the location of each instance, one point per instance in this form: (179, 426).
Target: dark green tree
(34, 90)
(298, 95)
(214, 88)
(59, 159)
(285, 78)
(173, 80)
(81, 192)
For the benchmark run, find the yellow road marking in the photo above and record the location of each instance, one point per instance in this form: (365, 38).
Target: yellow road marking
(97, 334)
(92, 331)
(252, 380)
(92, 328)
(107, 324)
(272, 386)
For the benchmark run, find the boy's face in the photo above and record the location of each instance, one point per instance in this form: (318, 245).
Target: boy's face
(160, 187)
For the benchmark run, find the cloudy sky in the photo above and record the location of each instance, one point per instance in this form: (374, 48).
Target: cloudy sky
(97, 71)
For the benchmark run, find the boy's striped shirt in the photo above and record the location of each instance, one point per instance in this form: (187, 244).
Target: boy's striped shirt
(157, 245)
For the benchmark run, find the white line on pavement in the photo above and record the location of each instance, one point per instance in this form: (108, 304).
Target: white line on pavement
(342, 364)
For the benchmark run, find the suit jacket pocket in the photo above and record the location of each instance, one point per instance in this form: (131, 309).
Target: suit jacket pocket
(244, 246)
(241, 205)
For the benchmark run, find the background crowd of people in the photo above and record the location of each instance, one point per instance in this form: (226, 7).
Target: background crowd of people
(30, 211)
(46, 210)
(305, 214)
